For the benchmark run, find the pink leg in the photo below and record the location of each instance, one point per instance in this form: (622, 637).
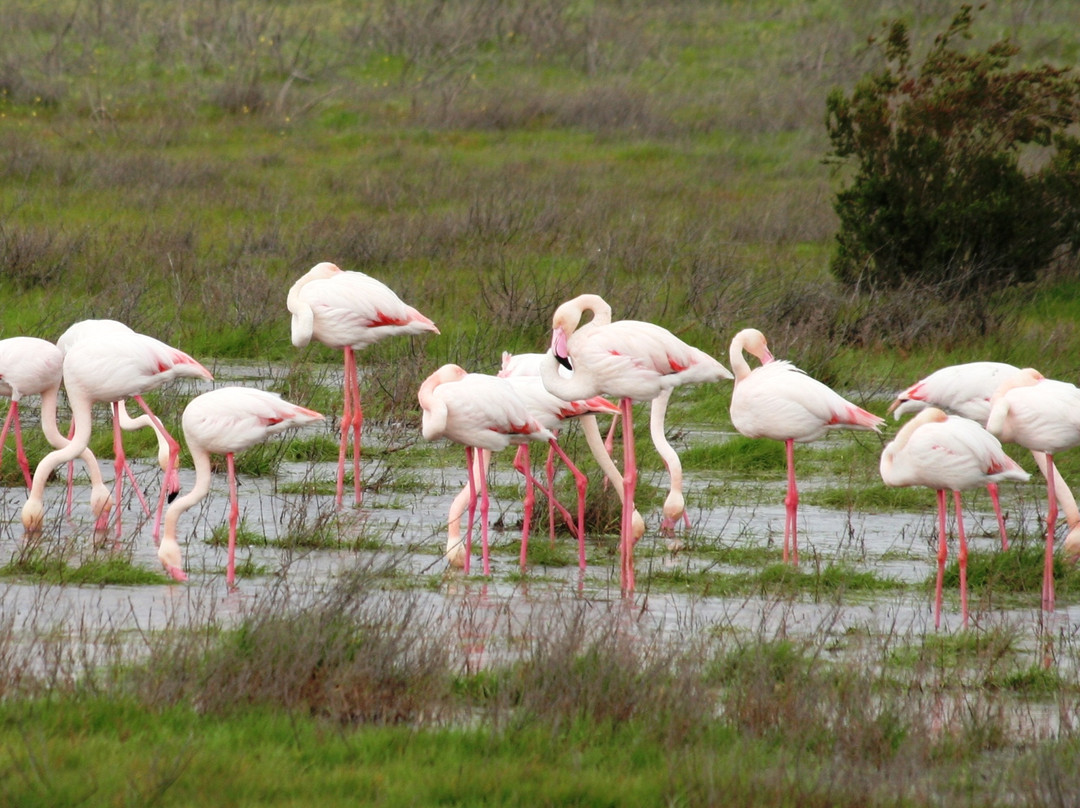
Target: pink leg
(547, 493)
(357, 424)
(234, 516)
(943, 553)
(581, 482)
(626, 540)
(484, 506)
(522, 463)
(469, 452)
(962, 558)
(20, 451)
(118, 464)
(792, 504)
(346, 422)
(1051, 523)
(992, 489)
(7, 425)
(549, 469)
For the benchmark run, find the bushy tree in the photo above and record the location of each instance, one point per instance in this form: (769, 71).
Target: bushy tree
(940, 192)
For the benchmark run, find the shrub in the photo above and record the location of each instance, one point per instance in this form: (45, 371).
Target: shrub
(940, 194)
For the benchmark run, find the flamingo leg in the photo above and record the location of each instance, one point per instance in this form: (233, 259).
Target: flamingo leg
(522, 464)
(20, 451)
(118, 464)
(962, 558)
(234, 516)
(484, 506)
(626, 539)
(7, 425)
(469, 451)
(549, 469)
(992, 489)
(357, 425)
(1051, 523)
(346, 424)
(791, 502)
(943, 553)
(547, 493)
(581, 482)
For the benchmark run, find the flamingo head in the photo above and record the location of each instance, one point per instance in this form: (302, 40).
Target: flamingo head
(558, 347)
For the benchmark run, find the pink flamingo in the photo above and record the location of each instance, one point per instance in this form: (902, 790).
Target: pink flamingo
(1041, 415)
(628, 359)
(947, 453)
(479, 412)
(90, 329)
(779, 401)
(32, 366)
(965, 390)
(349, 311)
(110, 368)
(225, 421)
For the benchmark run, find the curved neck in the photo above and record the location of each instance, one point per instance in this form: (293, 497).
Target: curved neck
(201, 458)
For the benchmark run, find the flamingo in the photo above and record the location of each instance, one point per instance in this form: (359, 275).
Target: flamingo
(32, 366)
(1041, 415)
(90, 329)
(947, 453)
(778, 400)
(628, 359)
(965, 390)
(110, 368)
(225, 421)
(479, 412)
(349, 311)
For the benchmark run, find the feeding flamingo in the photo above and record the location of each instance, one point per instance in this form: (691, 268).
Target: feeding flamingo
(1041, 415)
(108, 369)
(479, 412)
(628, 359)
(779, 401)
(965, 390)
(225, 421)
(91, 329)
(32, 366)
(349, 311)
(947, 453)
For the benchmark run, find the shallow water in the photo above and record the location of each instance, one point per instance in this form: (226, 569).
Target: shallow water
(410, 528)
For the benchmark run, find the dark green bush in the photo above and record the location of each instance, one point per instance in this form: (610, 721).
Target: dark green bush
(965, 174)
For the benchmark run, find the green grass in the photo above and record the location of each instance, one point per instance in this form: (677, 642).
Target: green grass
(90, 572)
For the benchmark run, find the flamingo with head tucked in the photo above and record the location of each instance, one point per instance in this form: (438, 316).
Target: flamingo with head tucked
(349, 311)
(1041, 415)
(947, 453)
(627, 359)
(225, 421)
(777, 400)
